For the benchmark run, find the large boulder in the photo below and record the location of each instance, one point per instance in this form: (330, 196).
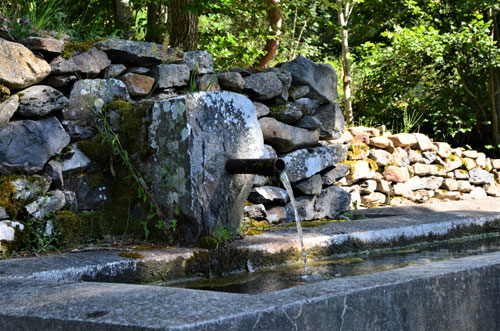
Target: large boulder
(90, 63)
(332, 202)
(332, 120)
(19, 67)
(263, 86)
(286, 80)
(49, 45)
(305, 163)
(138, 85)
(87, 97)
(192, 136)
(27, 145)
(172, 75)
(7, 109)
(268, 194)
(202, 61)
(139, 53)
(41, 100)
(320, 78)
(284, 138)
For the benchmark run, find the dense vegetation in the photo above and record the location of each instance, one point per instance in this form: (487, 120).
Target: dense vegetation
(427, 65)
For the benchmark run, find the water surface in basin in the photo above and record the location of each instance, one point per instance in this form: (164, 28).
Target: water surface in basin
(365, 263)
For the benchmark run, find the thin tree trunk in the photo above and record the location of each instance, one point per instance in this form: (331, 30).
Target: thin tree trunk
(271, 48)
(494, 87)
(184, 25)
(155, 26)
(344, 11)
(124, 16)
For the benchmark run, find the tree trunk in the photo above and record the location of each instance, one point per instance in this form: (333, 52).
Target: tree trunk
(494, 85)
(271, 48)
(184, 25)
(124, 16)
(156, 20)
(344, 11)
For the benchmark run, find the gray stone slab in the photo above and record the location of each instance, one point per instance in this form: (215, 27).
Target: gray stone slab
(411, 298)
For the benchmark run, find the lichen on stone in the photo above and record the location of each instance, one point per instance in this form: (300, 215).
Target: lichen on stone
(357, 150)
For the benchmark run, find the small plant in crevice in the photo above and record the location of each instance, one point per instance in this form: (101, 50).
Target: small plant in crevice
(219, 238)
(21, 28)
(40, 237)
(222, 235)
(205, 84)
(111, 138)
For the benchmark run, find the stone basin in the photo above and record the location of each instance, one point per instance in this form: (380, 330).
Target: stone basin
(47, 293)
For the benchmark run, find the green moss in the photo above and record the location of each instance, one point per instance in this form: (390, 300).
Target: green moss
(95, 180)
(4, 92)
(276, 110)
(207, 242)
(131, 255)
(352, 164)
(130, 128)
(462, 171)
(70, 227)
(7, 191)
(253, 232)
(20, 240)
(452, 157)
(119, 104)
(313, 223)
(96, 150)
(146, 248)
(81, 47)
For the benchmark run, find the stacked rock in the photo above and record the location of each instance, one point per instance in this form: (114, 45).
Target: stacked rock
(300, 123)
(405, 169)
(50, 102)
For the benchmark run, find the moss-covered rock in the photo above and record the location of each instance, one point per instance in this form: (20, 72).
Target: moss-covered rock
(79, 47)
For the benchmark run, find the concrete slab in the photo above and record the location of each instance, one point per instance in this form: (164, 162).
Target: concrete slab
(463, 294)
(458, 294)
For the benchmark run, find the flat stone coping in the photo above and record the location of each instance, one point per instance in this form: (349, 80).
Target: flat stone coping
(47, 293)
(411, 298)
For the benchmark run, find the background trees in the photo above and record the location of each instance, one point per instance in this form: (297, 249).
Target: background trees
(430, 64)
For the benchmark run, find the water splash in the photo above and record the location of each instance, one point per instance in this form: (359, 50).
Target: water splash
(288, 187)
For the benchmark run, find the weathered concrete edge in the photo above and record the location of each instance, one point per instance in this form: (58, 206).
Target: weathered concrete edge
(460, 294)
(118, 269)
(409, 232)
(383, 235)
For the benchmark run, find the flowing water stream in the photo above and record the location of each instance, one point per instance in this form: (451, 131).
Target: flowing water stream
(288, 187)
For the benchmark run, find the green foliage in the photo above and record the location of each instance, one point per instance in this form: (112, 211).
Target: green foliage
(28, 17)
(39, 240)
(430, 73)
(111, 138)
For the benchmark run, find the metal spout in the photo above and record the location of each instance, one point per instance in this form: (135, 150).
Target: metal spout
(263, 167)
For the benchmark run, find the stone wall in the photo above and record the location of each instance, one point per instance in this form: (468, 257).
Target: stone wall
(54, 162)
(405, 169)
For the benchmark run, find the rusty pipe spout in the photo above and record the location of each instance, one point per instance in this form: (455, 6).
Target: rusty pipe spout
(263, 167)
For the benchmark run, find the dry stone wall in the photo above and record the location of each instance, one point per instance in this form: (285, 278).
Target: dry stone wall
(53, 159)
(384, 169)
